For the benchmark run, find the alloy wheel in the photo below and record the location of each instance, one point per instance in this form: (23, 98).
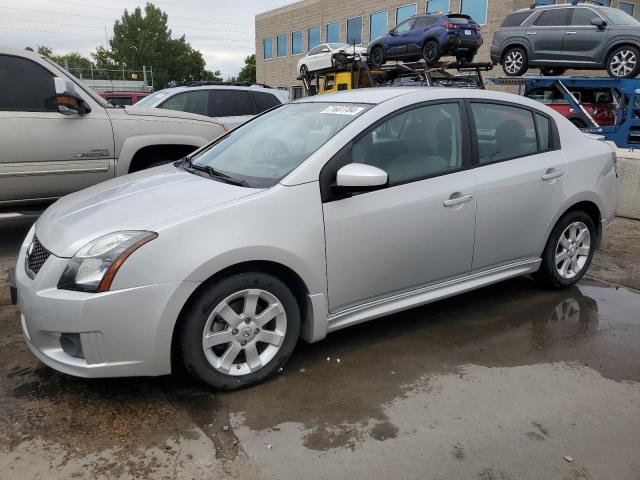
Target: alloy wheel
(623, 63)
(430, 52)
(244, 332)
(572, 250)
(513, 61)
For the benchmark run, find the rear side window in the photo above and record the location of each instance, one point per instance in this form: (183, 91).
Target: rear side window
(515, 19)
(264, 101)
(231, 103)
(25, 85)
(554, 17)
(544, 132)
(504, 132)
(192, 102)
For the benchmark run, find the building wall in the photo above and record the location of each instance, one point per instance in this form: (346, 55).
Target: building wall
(281, 71)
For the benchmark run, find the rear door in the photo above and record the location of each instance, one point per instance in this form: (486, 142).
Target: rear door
(521, 181)
(232, 106)
(546, 34)
(582, 41)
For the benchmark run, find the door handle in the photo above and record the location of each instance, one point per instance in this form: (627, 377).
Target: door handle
(571, 33)
(457, 199)
(551, 174)
(531, 33)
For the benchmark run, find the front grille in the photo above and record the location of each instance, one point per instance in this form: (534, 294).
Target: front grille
(36, 256)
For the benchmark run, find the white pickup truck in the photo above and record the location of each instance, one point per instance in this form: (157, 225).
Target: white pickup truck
(57, 136)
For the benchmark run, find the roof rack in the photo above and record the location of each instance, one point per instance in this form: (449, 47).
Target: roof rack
(228, 84)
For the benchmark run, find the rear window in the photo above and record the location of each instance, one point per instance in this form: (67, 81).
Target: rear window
(264, 101)
(515, 19)
(459, 20)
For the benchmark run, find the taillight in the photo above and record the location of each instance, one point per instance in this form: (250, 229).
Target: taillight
(449, 26)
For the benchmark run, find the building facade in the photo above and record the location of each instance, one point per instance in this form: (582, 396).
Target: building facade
(286, 34)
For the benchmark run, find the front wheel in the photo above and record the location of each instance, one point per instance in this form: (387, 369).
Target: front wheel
(624, 62)
(239, 331)
(568, 252)
(431, 52)
(515, 63)
(377, 57)
(304, 71)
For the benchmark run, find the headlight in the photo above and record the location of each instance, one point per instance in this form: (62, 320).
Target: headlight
(94, 266)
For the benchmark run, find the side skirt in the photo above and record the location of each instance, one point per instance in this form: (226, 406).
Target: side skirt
(421, 296)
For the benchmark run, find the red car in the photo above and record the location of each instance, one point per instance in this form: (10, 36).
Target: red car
(600, 103)
(123, 98)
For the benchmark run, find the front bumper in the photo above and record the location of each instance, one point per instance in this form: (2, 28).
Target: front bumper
(124, 332)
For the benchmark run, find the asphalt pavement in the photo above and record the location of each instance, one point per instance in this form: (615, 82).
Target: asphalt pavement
(508, 382)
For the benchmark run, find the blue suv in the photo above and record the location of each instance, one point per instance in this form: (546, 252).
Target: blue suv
(429, 37)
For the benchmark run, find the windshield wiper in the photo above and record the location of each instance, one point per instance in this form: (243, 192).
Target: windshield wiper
(213, 173)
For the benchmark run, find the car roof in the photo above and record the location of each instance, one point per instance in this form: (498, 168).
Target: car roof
(560, 5)
(18, 52)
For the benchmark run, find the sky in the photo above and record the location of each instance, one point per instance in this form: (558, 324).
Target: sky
(222, 30)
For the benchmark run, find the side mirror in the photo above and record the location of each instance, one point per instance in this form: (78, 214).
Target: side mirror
(359, 177)
(67, 99)
(392, 32)
(598, 22)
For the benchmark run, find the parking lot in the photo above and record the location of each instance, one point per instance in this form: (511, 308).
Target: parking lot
(508, 382)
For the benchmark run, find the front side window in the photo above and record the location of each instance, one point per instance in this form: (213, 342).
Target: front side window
(316, 50)
(264, 101)
(25, 86)
(231, 103)
(404, 12)
(435, 6)
(582, 17)
(377, 25)
(333, 32)
(554, 17)
(354, 31)
(296, 43)
(267, 46)
(504, 132)
(313, 37)
(476, 9)
(192, 102)
(416, 144)
(404, 27)
(281, 41)
(263, 151)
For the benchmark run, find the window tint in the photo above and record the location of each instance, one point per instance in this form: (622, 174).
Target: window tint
(503, 132)
(554, 17)
(264, 101)
(229, 103)
(543, 126)
(25, 85)
(416, 144)
(192, 102)
(515, 19)
(582, 16)
(354, 31)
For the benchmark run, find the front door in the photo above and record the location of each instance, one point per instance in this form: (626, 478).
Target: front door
(417, 231)
(546, 35)
(44, 153)
(582, 41)
(521, 181)
(397, 44)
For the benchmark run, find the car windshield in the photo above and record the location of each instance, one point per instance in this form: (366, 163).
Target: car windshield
(618, 17)
(149, 100)
(263, 151)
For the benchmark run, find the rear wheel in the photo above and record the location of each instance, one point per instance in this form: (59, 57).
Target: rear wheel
(377, 57)
(431, 51)
(515, 62)
(568, 252)
(624, 62)
(240, 330)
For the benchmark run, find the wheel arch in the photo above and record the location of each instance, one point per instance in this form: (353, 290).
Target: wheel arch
(619, 43)
(514, 44)
(583, 203)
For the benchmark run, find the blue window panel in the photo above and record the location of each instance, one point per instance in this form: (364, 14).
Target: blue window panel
(354, 31)
(402, 13)
(604, 3)
(267, 45)
(627, 7)
(476, 9)
(545, 2)
(333, 32)
(296, 43)
(378, 24)
(313, 37)
(437, 6)
(281, 45)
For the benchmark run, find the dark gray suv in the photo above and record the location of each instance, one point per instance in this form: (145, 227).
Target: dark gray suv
(555, 38)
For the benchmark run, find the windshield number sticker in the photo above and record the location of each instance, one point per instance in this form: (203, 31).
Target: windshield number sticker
(343, 110)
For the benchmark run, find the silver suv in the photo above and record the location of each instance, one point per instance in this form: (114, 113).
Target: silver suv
(58, 136)
(555, 38)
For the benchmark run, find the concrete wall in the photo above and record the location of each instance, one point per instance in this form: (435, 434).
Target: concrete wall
(629, 188)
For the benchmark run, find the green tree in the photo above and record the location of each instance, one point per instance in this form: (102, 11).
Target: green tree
(248, 72)
(142, 37)
(78, 65)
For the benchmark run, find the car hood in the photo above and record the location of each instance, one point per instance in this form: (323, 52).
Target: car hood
(140, 201)
(134, 111)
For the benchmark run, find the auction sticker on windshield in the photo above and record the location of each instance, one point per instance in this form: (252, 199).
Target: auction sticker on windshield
(343, 110)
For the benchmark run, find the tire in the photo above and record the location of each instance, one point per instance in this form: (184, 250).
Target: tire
(377, 57)
(578, 122)
(431, 52)
(515, 62)
(304, 71)
(552, 72)
(557, 256)
(226, 364)
(624, 62)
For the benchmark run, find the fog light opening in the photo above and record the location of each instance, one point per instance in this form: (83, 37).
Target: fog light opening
(71, 344)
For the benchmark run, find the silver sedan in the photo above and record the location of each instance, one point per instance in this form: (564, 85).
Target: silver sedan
(314, 216)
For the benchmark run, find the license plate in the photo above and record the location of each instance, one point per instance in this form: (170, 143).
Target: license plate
(467, 32)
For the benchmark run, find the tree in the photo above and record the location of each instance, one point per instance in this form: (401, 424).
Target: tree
(76, 63)
(143, 38)
(248, 72)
